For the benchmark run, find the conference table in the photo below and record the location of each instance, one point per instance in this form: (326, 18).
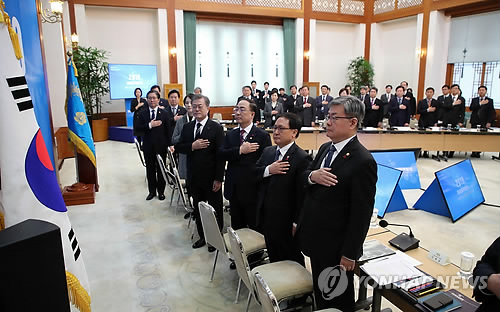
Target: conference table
(428, 266)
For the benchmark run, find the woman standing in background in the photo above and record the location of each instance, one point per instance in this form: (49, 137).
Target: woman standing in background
(136, 105)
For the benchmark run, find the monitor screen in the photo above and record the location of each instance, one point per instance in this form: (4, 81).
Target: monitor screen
(404, 161)
(124, 78)
(460, 188)
(387, 181)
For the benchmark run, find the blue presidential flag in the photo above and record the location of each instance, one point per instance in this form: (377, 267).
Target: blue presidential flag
(78, 124)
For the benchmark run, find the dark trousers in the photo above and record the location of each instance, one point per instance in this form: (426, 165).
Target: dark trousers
(343, 302)
(214, 199)
(280, 243)
(243, 212)
(153, 173)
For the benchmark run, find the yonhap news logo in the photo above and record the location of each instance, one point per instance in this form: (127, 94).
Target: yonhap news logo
(332, 282)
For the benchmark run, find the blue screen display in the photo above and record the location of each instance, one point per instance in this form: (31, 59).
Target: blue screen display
(387, 180)
(124, 78)
(404, 161)
(460, 188)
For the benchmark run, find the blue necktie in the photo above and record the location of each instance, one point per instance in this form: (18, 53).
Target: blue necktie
(329, 156)
(198, 131)
(278, 153)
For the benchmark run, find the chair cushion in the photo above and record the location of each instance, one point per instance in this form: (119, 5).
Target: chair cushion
(286, 278)
(252, 241)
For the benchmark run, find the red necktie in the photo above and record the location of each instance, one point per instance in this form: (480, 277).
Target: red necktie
(242, 139)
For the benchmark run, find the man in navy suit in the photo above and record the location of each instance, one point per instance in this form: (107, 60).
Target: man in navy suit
(247, 95)
(399, 109)
(242, 148)
(153, 122)
(427, 108)
(163, 102)
(174, 110)
(305, 107)
(281, 191)
(201, 140)
(483, 112)
(340, 193)
(374, 111)
(292, 99)
(322, 102)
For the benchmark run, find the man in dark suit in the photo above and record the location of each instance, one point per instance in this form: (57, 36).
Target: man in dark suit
(373, 110)
(265, 95)
(201, 140)
(163, 102)
(427, 108)
(154, 123)
(483, 112)
(486, 277)
(256, 94)
(242, 148)
(363, 90)
(247, 95)
(282, 96)
(453, 111)
(322, 102)
(408, 95)
(305, 108)
(398, 107)
(281, 191)
(340, 194)
(292, 99)
(174, 110)
(386, 98)
(445, 89)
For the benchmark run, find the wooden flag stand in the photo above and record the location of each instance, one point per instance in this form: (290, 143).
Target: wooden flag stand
(82, 192)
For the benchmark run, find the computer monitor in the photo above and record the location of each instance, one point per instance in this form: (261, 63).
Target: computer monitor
(124, 78)
(387, 183)
(460, 188)
(404, 161)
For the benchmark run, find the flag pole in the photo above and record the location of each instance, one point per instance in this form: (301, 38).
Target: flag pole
(76, 164)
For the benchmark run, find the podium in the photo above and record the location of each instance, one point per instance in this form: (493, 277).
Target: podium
(388, 197)
(454, 192)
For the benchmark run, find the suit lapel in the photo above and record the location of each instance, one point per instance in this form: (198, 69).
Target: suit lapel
(322, 157)
(289, 153)
(344, 155)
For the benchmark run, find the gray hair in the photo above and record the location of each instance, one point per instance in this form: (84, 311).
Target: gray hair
(201, 96)
(197, 88)
(353, 106)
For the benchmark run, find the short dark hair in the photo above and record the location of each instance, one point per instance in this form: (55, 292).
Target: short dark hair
(154, 87)
(455, 85)
(325, 87)
(253, 81)
(174, 91)
(445, 86)
(247, 87)
(293, 86)
(484, 87)
(136, 90)
(347, 86)
(388, 86)
(274, 91)
(201, 96)
(251, 104)
(409, 90)
(154, 92)
(305, 87)
(404, 82)
(342, 90)
(282, 89)
(430, 88)
(189, 96)
(266, 83)
(374, 88)
(301, 88)
(399, 87)
(294, 121)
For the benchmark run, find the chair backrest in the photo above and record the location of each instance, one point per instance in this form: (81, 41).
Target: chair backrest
(171, 158)
(217, 116)
(137, 145)
(213, 235)
(167, 175)
(267, 299)
(240, 259)
(185, 200)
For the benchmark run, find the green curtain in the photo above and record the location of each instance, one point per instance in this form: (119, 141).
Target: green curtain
(289, 53)
(190, 49)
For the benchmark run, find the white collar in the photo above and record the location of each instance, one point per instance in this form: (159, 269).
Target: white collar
(203, 122)
(285, 148)
(340, 145)
(247, 129)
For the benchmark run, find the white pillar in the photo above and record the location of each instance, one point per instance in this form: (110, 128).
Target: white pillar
(437, 50)
(299, 51)
(163, 70)
(179, 43)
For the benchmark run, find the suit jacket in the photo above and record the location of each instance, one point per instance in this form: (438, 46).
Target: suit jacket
(268, 116)
(257, 98)
(427, 119)
(488, 265)
(482, 114)
(336, 219)
(290, 105)
(257, 117)
(453, 114)
(373, 117)
(413, 103)
(362, 99)
(440, 109)
(306, 114)
(133, 109)
(386, 99)
(164, 103)
(157, 139)
(180, 111)
(240, 167)
(280, 196)
(322, 110)
(176, 136)
(399, 116)
(263, 100)
(134, 103)
(206, 165)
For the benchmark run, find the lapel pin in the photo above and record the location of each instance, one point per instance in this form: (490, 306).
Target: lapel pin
(347, 155)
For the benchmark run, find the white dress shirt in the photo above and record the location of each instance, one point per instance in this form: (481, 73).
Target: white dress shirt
(247, 130)
(283, 152)
(156, 115)
(203, 122)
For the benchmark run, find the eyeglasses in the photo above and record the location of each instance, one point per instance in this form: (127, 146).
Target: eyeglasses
(198, 106)
(280, 129)
(239, 109)
(335, 118)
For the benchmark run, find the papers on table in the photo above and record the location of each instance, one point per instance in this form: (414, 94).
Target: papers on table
(392, 269)
(403, 128)
(373, 249)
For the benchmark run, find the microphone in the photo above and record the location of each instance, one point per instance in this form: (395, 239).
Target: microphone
(384, 223)
(403, 241)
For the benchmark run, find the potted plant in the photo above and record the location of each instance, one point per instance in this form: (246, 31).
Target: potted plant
(360, 73)
(94, 83)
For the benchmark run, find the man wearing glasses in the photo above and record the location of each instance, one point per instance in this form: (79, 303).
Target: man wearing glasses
(281, 191)
(242, 148)
(339, 198)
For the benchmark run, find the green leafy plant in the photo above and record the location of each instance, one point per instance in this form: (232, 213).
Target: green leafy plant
(360, 73)
(92, 77)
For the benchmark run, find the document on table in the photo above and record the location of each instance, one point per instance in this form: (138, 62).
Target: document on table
(391, 269)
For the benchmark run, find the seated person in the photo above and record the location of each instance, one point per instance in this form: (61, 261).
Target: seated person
(486, 279)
